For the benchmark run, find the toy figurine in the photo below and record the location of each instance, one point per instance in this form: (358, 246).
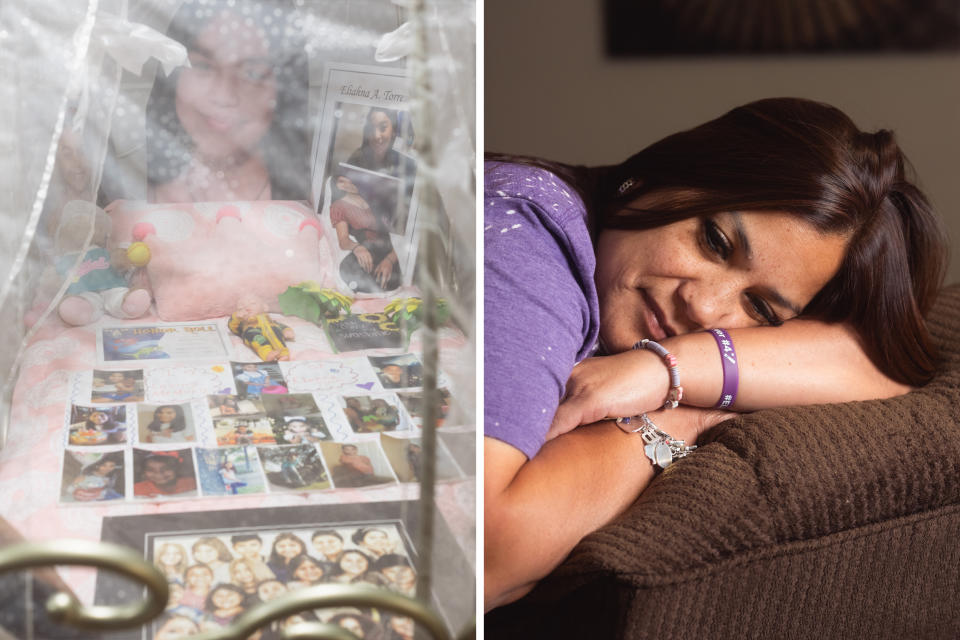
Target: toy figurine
(100, 281)
(259, 331)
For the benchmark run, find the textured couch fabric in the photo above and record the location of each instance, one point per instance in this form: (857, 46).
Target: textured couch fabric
(828, 521)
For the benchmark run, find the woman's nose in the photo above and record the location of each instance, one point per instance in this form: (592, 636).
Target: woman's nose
(224, 90)
(710, 303)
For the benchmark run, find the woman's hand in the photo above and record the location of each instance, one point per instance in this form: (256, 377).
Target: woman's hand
(363, 257)
(626, 384)
(383, 271)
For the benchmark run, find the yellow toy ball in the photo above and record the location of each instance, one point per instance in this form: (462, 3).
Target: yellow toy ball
(138, 253)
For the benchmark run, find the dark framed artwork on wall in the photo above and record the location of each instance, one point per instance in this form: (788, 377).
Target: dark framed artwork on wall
(736, 27)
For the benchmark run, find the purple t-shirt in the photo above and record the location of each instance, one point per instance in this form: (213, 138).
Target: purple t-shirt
(540, 304)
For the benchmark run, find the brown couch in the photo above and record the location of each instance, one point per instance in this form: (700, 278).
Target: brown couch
(829, 521)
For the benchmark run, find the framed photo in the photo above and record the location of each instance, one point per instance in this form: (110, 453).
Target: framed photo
(356, 464)
(163, 474)
(92, 476)
(255, 379)
(405, 453)
(398, 372)
(267, 552)
(365, 186)
(229, 471)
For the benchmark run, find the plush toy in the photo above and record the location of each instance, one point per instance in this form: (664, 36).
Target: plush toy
(259, 331)
(100, 282)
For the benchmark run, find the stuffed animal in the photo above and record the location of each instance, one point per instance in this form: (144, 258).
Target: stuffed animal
(100, 281)
(259, 331)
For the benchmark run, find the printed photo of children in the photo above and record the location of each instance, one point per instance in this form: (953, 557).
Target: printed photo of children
(294, 468)
(226, 405)
(301, 430)
(291, 404)
(92, 476)
(158, 474)
(165, 423)
(90, 426)
(258, 378)
(369, 414)
(229, 471)
(398, 372)
(356, 464)
(117, 386)
(243, 430)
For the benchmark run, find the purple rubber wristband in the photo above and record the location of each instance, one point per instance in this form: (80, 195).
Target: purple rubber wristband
(731, 372)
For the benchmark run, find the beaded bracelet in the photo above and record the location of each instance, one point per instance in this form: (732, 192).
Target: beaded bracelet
(675, 394)
(731, 371)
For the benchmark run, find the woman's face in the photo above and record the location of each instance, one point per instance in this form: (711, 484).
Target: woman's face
(730, 270)
(205, 553)
(159, 473)
(381, 135)
(328, 545)
(171, 556)
(198, 579)
(308, 571)
(271, 589)
(226, 99)
(226, 598)
(353, 563)
(242, 574)
(377, 540)
(166, 414)
(105, 467)
(400, 574)
(349, 449)
(287, 548)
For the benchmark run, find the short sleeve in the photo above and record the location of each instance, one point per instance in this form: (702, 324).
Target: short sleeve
(535, 319)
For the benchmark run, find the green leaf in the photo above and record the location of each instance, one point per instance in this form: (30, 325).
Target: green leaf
(296, 302)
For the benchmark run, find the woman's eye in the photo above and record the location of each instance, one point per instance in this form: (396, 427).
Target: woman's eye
(762, 310)
(716, 241)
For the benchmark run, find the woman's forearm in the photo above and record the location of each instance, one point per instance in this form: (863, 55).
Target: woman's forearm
(801, 362)
(533, 519)
(536, 511)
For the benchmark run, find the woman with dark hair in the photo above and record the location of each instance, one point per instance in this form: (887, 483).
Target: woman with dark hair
(168, 425)
(776, 255)
(231, 126)
(286, 547)
(376, 152)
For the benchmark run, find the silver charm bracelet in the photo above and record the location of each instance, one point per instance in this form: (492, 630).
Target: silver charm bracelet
(660, 447)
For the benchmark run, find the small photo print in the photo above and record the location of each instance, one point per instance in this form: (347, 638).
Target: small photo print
(243, 430)
(91, 426)
(356, 464)
(227, 405)
(370, 414)
(165, 423)
(413, 401)
(92, 476)
(258, 378)
(117, 386)
(157, 474)
(294, 468)
(406, 458)
(398, 372)
(229, 471)
(291, 404)
(301, 429)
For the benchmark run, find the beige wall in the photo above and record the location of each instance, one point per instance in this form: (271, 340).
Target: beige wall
(550, 91)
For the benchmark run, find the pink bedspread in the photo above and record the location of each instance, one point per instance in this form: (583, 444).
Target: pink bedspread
(31, 462)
